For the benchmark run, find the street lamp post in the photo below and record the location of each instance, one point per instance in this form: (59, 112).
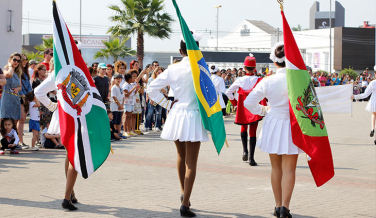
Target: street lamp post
(80, 18)
(330, 36)
(217, 7)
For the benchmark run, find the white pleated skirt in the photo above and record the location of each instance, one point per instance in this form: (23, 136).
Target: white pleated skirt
(371, 106)
(275, 137)
(185, 126)
(54, 127)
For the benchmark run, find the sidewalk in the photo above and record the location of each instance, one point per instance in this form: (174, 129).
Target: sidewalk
(140, 179)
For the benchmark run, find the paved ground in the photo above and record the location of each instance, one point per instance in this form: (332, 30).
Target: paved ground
(140, 179)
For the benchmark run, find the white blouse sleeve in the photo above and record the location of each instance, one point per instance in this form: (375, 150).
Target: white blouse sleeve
(230, 91)
(45, 87)
(154, 90)
(366, 93)
(253, 99)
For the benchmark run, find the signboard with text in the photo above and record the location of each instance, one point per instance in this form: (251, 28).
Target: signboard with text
(323, 23)
(89, 41)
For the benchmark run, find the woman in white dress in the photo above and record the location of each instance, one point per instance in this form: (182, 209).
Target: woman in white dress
(275, 137)
(183, 125)
(371, 106)
(54, 128)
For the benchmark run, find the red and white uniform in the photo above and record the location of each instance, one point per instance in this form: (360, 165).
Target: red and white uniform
(244, 85)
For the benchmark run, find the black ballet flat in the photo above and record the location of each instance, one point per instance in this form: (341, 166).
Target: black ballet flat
(181, 199)
(68, 205)
(375, 142)
(252, 163)
(186, 212)
(372, 133)
(285, 213)
(245, 156)
(277, 212)
(73, 199)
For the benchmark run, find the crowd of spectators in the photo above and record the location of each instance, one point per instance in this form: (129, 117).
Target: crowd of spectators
(122, 89)
(360, 82)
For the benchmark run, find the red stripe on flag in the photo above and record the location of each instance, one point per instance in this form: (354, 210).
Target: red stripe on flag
(79, 61)
(67, 132)
(290, 47)
(317, 148)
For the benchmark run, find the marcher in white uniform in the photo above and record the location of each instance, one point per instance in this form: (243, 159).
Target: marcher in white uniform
(371, 106)
(275, 137)
(54, 128)
(219, 85)
(183, 125)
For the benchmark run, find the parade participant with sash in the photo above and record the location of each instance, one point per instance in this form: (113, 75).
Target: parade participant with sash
(245, 85)
(275, 137)
(79, 115)
(184, 125)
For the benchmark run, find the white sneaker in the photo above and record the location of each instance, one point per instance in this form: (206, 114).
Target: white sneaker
(35, 149)
(127, 134)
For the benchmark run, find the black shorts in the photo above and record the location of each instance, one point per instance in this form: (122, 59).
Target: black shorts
(117, 117)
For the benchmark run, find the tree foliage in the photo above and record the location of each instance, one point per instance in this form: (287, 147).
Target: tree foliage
(47, 43)
(32, 55)
(139, 17)
(115, 49)
(349, 71)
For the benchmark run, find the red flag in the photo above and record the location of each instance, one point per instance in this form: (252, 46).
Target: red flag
(307, 122)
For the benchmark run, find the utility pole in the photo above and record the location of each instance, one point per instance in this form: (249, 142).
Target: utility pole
(330, 36)
(217, 7)
(278, 34)
(80, 18)
(28, 22)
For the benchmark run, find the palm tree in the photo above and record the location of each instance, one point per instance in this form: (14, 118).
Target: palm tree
(47, 43)
(140, 17)
(32, 56)
(115, 48)
(298, 28)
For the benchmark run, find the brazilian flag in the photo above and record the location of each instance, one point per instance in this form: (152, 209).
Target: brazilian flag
(207, 98)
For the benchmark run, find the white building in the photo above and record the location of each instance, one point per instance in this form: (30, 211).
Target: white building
(258, 36)
(10, 29)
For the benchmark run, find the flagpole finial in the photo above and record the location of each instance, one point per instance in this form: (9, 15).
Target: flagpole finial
(281, 3)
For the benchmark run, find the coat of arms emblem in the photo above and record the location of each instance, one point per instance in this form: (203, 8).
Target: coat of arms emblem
(309, 105)
(75, 90)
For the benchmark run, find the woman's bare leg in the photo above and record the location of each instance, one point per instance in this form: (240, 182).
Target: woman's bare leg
(276, 178)
(180, 163)
(192, 150)
(372, 120)
(71, 180)
(288, 178)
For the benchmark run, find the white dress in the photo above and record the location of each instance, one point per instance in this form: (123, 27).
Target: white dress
(220, 87)
(41, 93)
(275, 136)
(371, 89)
(184, 120)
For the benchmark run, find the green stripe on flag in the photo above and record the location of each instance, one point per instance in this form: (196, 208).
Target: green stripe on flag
(57, 65)
(298, 83)
(99, 135)
(215, 125)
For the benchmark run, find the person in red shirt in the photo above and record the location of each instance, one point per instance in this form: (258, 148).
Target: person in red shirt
(48, 55)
